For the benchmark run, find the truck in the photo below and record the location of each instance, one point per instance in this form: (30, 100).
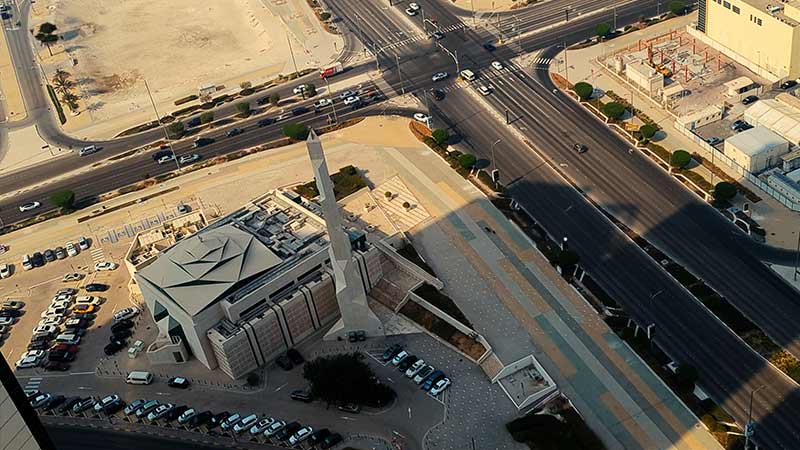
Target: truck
(331, 70)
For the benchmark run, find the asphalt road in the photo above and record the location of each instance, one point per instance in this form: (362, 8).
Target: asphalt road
(644, 198)
(74, 438)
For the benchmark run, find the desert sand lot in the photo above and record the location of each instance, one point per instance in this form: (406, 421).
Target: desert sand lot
(111, 47)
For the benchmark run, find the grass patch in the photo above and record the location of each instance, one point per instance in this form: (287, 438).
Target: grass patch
(59, 110)
(444, 330)
(345, 182)
(436, 298)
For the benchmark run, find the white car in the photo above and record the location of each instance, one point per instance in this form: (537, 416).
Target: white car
(61, 304)
(245, 424)
(351, 100)
(440, 386)
(411, 12)
(416, 367)
(26, 262)
(72, 250)
(5, 271)
(62, 297)
(301, 435)
(420, 117)
(126, 313)
(84, 300)
(33, 354)
(413, 6)
(346, 94)
(72, 276)
(485, 90)
(159, 412)
(54, 312)
(274, 428)
(261, 425)
(165, 159)
(105, 265)
(6, 321)
(300, 89)
(100, 405)
(232, 420)
(497, 65)
(323, 102)
(422, 374)
(49, 329)
(83, 243)
(51, 320)
(186, 159)
(439, 76)
(25, 363)
(399, 358)
(187, 415)
(29, 206)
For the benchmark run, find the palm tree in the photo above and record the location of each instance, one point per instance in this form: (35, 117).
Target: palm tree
(71, 100)
(62, 80)
(46, 36)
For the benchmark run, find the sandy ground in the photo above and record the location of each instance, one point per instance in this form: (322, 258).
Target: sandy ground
(13, 105)
(486, 5)
(111, 48)
(25, 148)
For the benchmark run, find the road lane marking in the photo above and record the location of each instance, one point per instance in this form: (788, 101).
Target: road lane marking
(280, 387)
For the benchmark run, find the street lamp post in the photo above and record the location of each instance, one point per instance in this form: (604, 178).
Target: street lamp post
(163, 127)
(495, 178)
(333, 105)
(494, 166)
(748, 428)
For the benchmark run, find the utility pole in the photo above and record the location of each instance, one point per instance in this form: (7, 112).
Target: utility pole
(474, 19)
(452, 55)
(376, 50)
(615, 17)
(333, 105)
(291, 52)
(400, 74)
(566, 64)
(163, 127)
(749, 428)
(424, 25)
(494, 166)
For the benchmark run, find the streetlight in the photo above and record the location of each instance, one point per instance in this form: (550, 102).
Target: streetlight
(494, 166)
(749, 428)
(328, 88)
(495, 173)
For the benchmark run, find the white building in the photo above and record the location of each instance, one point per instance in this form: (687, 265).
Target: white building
(246, 288)
(756, 149)
(780, 115)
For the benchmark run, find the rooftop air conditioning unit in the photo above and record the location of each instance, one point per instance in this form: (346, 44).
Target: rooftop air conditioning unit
(774, 8)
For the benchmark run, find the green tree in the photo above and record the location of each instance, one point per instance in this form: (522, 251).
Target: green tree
(207, 117)
(245, 85)
(440, 136)
(47, 28)
(62, 81)
(63, 199)
(724, 191)
(274, 99)
(613, 110)
(311, 90)
(354, 381)
(602, 29)
(679, 159)
(677, 7)
(296, 131)
(324, 16)
(647, 131)
(47, 40)
(176, 129)
(583, 90)
(467, 160)
(243, 108)
(71, 100)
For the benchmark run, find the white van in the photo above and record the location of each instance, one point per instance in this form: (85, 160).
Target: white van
(139, 377)
(468, 75)
(88, 150)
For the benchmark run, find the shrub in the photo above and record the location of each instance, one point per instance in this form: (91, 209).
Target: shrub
(406, 205)
(311, 90)
(677, 7)
(602, 29)
(583, 90)
(296, 131)
(679, 159)
(613, 110)
(274, 99)
(388, 195)
(647, 131)
(63, 199)
(186, 99)
(175, 129)
(207, 117)
(243, 108)
(467, 160)
(440, 136)
(324, 16)
(245, 85)
(724, 191)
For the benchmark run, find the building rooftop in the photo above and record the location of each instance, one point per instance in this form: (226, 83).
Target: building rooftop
(738, 83)
(755, 140)
(236, 254)
(787, 11)
(149, 243)
(777, 115)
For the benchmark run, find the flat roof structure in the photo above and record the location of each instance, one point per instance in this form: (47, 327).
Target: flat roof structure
(778, 115)
(756, 140)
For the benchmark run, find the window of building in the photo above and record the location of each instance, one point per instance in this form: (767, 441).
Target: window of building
(727, 4)
(758, 21)
(736, 9)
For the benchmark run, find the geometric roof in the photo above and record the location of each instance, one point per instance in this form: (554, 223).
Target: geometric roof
(201, 269)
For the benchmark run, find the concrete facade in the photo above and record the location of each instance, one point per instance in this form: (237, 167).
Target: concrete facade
(20, 428)
(762, 34)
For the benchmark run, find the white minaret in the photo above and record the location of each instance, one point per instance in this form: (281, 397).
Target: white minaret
(356, 315)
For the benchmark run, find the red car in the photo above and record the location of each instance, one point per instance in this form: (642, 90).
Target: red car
(56, 365)
(65, 348)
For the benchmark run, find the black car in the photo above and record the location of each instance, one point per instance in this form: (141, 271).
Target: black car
(788, 84)
(10, 313)
(295, 356)
(173, 413)
(287, 431)
(318, 436)
(39, 344)
(114, 347)
(408, 362)
(301, 395)
(122, 325)
(352, 408)
(331, 440)
(85, 316)
(193, 122)
(217, 419)
(121, 335)
(37, 260)
(489, 46)
(49, 255)
(54, 402)
(437, 94)
(162, 153)
(178, 382)
(581, 148)
(69, 404)
(113, 407)
(200, 419)
(265, 122)
(390, 352)
(61, 356)
(284, 362)
(262, 101)
(234, 132)
(96, 287)
(299, 110)
(56, 365)
(202, 142)
(749, 99)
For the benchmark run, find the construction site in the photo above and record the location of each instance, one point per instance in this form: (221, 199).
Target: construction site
(680, 72)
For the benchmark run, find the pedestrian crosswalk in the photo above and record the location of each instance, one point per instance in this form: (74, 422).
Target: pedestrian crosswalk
(421, 36)
(541, 63)
(98, 255)
(33, 384)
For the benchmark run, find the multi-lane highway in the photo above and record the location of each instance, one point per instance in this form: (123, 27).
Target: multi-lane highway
(625, 184)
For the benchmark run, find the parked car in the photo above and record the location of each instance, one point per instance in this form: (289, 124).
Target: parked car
(105, 401)
(60, 366)
(300, 435)
(95, 287)
(178, 382)
(398, 358)
(12, 304)
(174, 413)
(113, 347)
(412, 371)
(301, 395)
(200, 419)
(284, 362)
(61, 356)
(331, 440)
(122, 325)
(260, 426)
(6, 321)
(713, 140)
(274, 428)
(72, 250)
(391, 352)
(5, 271)
(69, 403)
(187, 415)
(159, 412)
(318, 436)
(420, 117)
(440, 386)
(121, 335)
(49, 255)
(788, 84)
(287, 431)
(61, 253)
(83, 405)
(88, 300)
(37, 259)
(295, 356)
(230, 421)
(105, 266)
(749, 99)
(83, 243)
(133, 406)
(217, 419)
(40, 400)
(435, 376)
(54, 402)
(407, 362)
(352, 408)
(65, 348)
(75, 323)
(126, 313)
(84, 309)
(245, 423)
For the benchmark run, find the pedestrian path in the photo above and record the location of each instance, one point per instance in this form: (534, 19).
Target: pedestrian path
(422, 36)
(33, 384)
(98, 255)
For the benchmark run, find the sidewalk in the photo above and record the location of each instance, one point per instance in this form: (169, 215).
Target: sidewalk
(13, 103)
(522, 306)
